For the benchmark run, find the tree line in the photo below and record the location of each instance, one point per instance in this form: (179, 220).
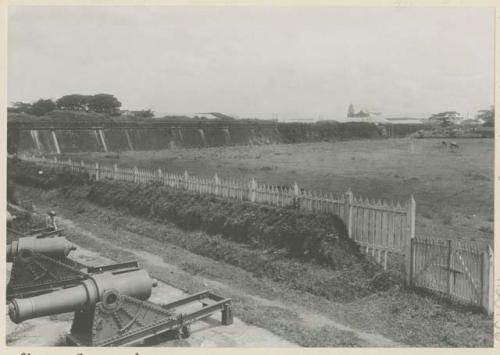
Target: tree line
(99, 103)
(449, 118)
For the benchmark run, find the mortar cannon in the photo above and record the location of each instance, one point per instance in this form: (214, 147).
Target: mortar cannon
(40, 265)
(56, 247)
(111, 309)
(106, 286)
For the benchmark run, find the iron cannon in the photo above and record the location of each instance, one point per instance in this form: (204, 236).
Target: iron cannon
(57, 247)
(134, 282)
(111, 309)
(40, 265)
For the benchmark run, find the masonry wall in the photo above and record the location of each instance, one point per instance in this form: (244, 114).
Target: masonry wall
(47, 139)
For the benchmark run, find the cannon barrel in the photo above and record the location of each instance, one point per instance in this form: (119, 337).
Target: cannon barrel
(135, 283)
(58, 247)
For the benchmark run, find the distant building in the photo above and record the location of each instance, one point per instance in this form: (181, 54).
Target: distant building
(382, 119)
(211, 116)
(404, 120)
(301, 120)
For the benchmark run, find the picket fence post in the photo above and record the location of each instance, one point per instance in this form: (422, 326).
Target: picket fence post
(253, 190)
(70, 163)
(186, 178)
(160, 175)
(410, 234)
(487, 281)
(97, 172)
(412, 261)
(296, 195)
(348, 197)
(136, 174)
(115, 172)
(217, 182)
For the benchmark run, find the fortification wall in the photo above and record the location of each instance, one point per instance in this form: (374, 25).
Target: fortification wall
(59, 140)
(40, 136)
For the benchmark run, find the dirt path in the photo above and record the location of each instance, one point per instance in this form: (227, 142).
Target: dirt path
(310, 318)
(241, 334)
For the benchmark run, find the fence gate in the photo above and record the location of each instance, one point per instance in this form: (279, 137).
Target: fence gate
(456, 270)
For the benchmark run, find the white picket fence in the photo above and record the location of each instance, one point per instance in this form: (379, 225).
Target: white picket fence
(379, 227)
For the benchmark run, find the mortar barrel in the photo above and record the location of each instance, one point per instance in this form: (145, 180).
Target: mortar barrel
(67, 300)
(136, 283)
(58, 247)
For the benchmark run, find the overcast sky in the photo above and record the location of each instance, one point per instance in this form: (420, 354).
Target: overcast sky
(256, 61)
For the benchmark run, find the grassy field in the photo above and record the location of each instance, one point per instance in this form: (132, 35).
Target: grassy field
(453, 189)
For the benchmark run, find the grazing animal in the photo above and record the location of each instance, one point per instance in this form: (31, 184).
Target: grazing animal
(454, 145)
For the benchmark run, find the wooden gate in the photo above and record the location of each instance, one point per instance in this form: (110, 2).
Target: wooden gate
(456, 270)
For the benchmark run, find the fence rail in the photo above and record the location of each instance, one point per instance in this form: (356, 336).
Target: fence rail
(382, 228)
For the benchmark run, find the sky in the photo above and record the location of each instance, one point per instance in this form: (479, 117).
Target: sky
(293, 62)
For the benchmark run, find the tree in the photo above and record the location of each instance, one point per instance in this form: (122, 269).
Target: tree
(143, 113)
(20, 107)
(42, 107)
(446, 118)
(104, 103)
(75, 102)
(362, 114)
(488, 116)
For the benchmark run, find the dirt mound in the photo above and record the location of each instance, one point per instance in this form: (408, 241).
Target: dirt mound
(307, 236)
(30, 174)
(317, 237)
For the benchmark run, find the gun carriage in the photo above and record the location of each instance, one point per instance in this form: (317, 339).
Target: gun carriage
(111, 308)
(40, 264)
